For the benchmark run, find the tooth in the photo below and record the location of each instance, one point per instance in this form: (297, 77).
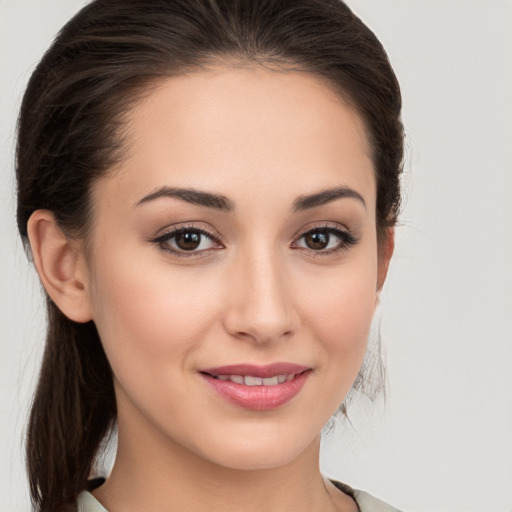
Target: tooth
(237, 378)
(270, 381)
(223, 377)
(253, 381)
(281, 379)
(290, 377)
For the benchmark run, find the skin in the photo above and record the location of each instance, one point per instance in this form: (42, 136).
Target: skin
(256, 294)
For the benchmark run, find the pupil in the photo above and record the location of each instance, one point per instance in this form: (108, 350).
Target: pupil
(317, 240)
(188, 240)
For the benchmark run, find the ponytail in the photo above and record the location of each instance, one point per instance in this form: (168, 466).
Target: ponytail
(73, 410)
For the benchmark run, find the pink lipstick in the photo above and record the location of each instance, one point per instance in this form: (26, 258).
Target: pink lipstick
(257, 387)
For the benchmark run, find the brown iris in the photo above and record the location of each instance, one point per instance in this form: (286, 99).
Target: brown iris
(317, 240)
(188, 240)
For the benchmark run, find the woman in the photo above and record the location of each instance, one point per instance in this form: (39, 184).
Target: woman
(208, 190)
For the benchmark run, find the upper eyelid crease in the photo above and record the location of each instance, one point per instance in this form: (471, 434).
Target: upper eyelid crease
(334, 230)
(345, 235)
(169, 233)
(221, 202)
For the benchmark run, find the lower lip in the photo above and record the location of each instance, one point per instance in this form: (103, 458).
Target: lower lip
(258, 398)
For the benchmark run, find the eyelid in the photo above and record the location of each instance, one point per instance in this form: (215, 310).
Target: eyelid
(335, 226)
(347, 238)
(184, 226)
(344, 235)
(171, 231)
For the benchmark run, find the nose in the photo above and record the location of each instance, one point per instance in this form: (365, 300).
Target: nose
(261, 306)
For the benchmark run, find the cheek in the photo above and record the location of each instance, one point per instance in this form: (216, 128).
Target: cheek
(339, 311)
(149, 312)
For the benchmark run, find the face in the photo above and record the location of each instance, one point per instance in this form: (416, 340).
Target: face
(233, 265)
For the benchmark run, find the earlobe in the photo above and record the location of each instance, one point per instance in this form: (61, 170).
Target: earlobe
(385, 254)
(60, 266)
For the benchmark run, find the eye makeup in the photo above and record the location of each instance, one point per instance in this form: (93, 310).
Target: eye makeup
(325, 240)
(192, 241)
(188, 241)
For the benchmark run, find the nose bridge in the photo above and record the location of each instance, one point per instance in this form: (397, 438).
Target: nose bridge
(261, 306)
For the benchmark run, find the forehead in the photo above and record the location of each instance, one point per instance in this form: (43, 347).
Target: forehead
(253, 128)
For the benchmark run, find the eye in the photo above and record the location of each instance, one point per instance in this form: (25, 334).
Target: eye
(325, 240)
(185, 240)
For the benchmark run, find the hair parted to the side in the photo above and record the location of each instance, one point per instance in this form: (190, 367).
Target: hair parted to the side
(70, 133)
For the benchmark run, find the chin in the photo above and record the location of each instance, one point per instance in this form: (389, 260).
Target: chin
(259, 452)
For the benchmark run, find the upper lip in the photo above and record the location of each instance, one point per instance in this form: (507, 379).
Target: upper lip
(269, 370)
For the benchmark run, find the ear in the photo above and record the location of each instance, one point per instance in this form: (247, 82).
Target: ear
(60, 266)
(385, 252)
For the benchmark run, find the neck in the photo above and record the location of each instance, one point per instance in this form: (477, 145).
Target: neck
(166, 477)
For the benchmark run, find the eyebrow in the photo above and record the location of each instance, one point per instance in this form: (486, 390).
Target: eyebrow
(326, 196)
(220, 202)
(190, 195)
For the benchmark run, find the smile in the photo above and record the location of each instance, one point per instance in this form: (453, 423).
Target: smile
(250, 380)
(257, 387)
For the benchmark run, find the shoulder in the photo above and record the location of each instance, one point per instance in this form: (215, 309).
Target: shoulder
(366, 502)
(86, 502)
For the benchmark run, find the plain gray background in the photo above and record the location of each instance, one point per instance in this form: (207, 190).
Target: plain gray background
(443, 442)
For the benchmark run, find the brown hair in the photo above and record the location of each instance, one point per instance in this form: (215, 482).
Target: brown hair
(70, 133)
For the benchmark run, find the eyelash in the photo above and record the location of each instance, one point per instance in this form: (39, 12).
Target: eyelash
(166, 237)
(346, 240)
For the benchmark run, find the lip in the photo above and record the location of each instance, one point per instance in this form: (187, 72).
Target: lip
(259, 398)
(268, 370)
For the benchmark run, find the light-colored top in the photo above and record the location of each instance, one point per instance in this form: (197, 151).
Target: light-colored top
(366, 503)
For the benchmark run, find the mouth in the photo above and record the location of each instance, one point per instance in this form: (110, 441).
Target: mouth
(257, 387)
(251, 380)
(254, 380)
